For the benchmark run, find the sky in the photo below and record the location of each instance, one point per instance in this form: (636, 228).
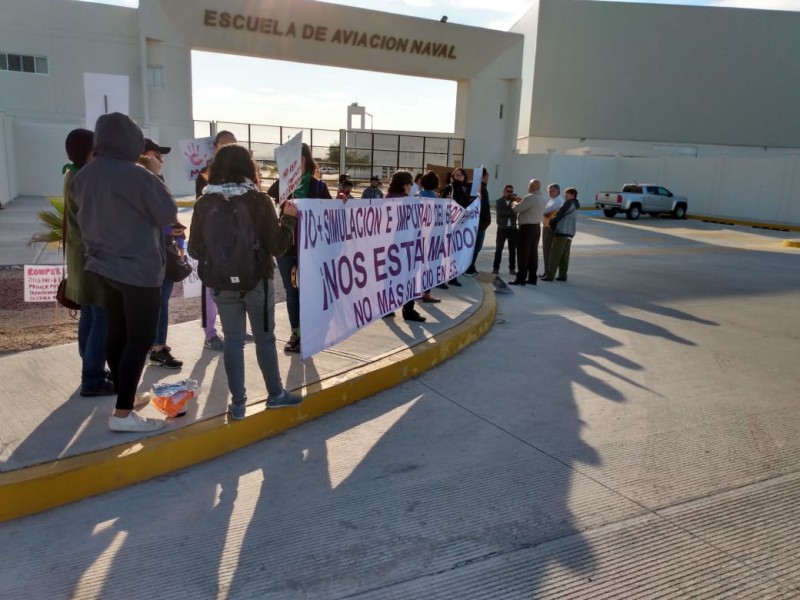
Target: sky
(251, 96)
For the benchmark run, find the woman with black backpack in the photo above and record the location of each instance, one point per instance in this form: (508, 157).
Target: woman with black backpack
(234, 235)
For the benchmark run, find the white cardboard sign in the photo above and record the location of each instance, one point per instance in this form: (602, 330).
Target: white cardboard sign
(105, 94)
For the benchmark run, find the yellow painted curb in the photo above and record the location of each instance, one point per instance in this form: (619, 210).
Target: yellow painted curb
(792, 243)
(185, 203)
(42, 487)
(755, 224)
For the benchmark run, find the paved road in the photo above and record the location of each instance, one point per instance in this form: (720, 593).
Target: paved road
(631, 433)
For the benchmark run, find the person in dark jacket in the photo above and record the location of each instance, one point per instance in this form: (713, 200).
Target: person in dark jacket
(208, 310)
(484, 220)
(563, 226)
(82, 286)
(373, 190)
(152, 159)
(400, 187)
(234, 173)
(458, 188)
(121, 210)
(506, 230)
(310, 187)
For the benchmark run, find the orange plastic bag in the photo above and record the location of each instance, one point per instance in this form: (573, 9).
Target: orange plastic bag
(172, 398)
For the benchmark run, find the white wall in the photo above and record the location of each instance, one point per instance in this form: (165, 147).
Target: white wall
(682, 74)
(758, 189)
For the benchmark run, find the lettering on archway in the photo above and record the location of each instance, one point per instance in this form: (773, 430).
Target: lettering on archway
(322, 33)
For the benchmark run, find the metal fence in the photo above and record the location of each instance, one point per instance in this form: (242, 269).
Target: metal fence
(366, 152)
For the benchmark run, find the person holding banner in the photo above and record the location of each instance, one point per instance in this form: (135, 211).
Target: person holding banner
(208, 309)
(458, 188)
(82, 287)
(310, 187)
(233, 178)
(429, 183)
(483, 223)
(400, 187)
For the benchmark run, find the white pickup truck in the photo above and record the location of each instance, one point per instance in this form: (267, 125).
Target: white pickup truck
(638, 198)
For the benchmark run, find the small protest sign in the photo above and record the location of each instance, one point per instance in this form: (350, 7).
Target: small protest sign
(192, 286)
(287, 156)
(196, 154)
(103, 94)
(477, 175)
(41, 282)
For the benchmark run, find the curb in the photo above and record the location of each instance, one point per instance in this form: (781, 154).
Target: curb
(745, 223)
(792, 243)
(42, 487)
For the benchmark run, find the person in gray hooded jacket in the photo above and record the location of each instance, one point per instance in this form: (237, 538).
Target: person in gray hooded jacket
(121, 210)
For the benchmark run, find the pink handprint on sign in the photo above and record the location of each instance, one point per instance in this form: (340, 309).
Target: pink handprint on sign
(195, 154)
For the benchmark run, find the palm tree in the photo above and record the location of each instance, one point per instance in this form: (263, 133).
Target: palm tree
(53, 221)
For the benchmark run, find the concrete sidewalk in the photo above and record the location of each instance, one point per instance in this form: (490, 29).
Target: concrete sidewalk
(52, 437)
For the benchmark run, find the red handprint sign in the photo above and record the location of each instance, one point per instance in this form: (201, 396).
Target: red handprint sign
(196, 154)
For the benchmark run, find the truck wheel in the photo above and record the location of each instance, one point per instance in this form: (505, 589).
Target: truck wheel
(679, 212)
(634, 212)
(609, 212)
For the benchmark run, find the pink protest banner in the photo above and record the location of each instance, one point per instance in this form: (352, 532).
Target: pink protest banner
(41, 282)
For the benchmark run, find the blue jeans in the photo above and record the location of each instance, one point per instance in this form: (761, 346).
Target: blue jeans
(163, 315)
(92, 346)
(479, 237)
(234, 308)
(285, 264)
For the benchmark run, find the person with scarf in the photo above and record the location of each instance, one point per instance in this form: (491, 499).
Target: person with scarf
(458, 188)
(233, 173)
(400, 187)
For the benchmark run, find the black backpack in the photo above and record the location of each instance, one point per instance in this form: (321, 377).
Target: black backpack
(233, 259)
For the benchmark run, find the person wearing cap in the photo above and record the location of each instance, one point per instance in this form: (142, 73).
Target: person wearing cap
(121, 210)
(373, 191)
(82, 287)
(160, 354)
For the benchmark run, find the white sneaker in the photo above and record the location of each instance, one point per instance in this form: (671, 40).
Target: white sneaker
(133, 422)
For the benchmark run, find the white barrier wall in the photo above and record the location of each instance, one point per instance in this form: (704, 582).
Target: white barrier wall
(758, 189)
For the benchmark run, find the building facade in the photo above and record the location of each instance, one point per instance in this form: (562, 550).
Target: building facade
(591, 94)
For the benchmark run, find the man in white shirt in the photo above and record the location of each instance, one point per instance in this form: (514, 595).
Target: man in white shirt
(529, 217)
(551, 208)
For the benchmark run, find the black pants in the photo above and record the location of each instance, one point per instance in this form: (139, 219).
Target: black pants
(505, 234)
(528, 252)
(132, 314)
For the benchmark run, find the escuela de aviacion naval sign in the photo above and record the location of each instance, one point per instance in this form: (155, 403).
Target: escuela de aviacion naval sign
(360, 260)
(324, 34)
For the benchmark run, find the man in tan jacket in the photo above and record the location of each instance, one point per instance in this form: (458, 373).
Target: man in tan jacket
(529, 217)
